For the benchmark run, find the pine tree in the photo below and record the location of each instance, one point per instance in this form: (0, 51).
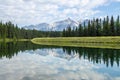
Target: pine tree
(98, 28)
(64, 33)
(93, 28)
(112, 27)
(106, 27)
(73, 32)
(69, 31)
(80, 30)
(89, 28)
(76, 32)
(118, 27)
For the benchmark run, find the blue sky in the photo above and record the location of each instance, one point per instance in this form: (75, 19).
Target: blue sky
(26, 12)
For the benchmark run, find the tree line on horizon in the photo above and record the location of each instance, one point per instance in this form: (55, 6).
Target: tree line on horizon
(11, 31)
(96, 27)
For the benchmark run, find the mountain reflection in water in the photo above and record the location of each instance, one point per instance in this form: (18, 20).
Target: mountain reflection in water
(108, 57)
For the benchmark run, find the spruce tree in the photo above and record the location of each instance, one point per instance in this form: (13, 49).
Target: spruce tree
(80, 30)
(93, 28)
(118, 26)
(89, 28)
(98, 28)
(64, 33)
(112, 27)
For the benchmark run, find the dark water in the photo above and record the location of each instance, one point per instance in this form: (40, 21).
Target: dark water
(27, 61)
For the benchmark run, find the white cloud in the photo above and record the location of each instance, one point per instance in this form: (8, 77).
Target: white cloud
(24, 12)
(26, 66)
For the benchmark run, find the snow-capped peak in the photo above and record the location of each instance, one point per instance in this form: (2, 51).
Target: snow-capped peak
(56, 26)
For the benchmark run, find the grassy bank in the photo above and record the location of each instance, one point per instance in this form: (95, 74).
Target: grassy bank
(95, 42)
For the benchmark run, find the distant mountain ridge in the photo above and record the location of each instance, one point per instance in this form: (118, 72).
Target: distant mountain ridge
(56, 26)
(56, 53)
(41, 26)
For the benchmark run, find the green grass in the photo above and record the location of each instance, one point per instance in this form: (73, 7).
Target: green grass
(95, 42)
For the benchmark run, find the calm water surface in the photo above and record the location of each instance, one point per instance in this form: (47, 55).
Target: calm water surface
(27, 61)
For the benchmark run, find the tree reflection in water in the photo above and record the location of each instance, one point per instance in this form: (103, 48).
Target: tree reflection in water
(107, 56)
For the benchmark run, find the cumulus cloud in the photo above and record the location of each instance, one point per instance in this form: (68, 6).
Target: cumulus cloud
(26, 66)
(24, 12)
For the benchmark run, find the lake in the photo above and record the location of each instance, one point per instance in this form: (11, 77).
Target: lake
(28, 61)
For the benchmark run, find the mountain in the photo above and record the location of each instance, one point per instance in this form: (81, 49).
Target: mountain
(56, 26)
(41, 26)
(60, 25)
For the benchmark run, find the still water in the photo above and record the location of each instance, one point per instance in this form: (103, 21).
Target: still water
(27, 61)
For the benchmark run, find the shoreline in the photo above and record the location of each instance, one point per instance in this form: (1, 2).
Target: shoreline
(91, 42)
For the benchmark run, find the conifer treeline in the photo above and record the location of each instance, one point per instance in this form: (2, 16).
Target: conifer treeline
(11, 31)
(96, 27)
